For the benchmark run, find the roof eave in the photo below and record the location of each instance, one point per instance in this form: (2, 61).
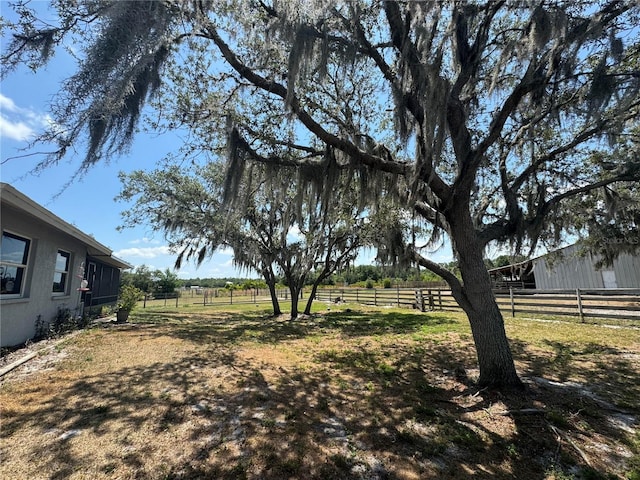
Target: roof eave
(14, 198)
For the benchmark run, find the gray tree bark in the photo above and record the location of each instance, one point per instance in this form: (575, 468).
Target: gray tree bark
(476, 297)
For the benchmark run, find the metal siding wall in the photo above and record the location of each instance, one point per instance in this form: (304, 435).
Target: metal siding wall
(544, 279)
(627, 270)
(568, 272)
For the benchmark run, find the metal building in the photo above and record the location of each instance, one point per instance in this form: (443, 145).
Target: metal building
(568, 269)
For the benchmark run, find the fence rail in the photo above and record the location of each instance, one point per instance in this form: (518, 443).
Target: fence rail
(623, 304)
(212, 296)
(583, 303)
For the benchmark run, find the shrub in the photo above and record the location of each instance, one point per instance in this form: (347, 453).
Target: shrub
(129, 297)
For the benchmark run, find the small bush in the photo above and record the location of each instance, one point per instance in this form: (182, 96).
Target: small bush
(129, 297)
(63, 322)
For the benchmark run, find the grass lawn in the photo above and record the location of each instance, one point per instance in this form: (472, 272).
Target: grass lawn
(350, 393)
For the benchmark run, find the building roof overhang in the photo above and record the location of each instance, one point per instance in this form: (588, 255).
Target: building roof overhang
(12, 197)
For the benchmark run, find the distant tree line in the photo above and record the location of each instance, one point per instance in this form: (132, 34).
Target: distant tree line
(151, 281)
(158, 281)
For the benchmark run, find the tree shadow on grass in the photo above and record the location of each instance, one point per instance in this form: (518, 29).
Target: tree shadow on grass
(357, 410)
(601, 369)
(378, 323)
(216, 327)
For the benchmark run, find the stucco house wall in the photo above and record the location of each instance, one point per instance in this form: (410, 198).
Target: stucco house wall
(47, 235)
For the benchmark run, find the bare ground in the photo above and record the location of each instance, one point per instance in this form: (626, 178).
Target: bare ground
(346, 395)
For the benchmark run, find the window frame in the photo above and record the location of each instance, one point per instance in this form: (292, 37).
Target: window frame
(24, 267)
(64, 273)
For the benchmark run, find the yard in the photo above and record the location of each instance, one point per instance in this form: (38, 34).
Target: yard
(351, 393)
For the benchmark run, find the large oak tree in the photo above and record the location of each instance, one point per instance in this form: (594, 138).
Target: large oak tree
(275, 225)
(484, 118)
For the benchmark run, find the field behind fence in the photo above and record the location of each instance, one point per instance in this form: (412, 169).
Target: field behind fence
(621, 304)
(212, 296)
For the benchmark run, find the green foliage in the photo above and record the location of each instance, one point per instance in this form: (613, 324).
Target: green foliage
(504, 260)
(253, 284)
(150, 281)
(504, 117)
(63, 322)
(221, 282)
(166, 282)
(361, 273)
(129, 297)
(142, 278)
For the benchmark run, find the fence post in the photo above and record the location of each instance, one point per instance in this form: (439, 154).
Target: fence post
(398, 295)
(513, 307)
(375, 297)
(144, 301)
(580, 312)
(440, 299)
(357, 296)
(420, 299)
(165, 299)
(177, 297)
(231, 296)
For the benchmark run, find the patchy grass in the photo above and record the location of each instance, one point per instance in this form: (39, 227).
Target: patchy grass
(348, 393)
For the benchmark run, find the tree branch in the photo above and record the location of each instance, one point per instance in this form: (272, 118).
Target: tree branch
(631, 175)
(385, 164)
(585, 135)
(457, 289)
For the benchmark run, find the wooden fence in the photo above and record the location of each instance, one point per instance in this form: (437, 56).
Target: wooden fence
(212, 296)
(582, 303)
(623, 304)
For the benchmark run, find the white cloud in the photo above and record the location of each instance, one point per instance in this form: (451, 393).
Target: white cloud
(21, 124)
(144, 240)
(228, 263)
(7, 104)
(15, 130)
(144, 252)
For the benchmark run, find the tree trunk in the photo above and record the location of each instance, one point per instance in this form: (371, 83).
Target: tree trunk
(295, 295)
(314, 289)
(495, 361)
(274, 299)
(312, 296)
(270, 280)
(295, 287)
(478, 301)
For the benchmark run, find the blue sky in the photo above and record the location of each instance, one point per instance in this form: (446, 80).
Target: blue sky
(88, 203)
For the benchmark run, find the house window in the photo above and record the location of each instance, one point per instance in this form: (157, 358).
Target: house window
(14, 253)
(61, 272)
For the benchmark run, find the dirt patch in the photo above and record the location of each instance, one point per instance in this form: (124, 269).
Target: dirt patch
(47, 354)
(345, 396)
